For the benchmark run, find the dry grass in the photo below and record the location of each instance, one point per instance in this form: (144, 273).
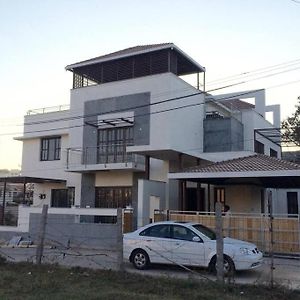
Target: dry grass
(27, 281)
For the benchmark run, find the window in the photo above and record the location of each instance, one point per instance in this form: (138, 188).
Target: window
(292, 203)
(112, 143)
(62, 197)
(273, 153)
(259, 147)
(50, 148)
(182, 233)
(206, 231)
(113, 197)
(160, 231)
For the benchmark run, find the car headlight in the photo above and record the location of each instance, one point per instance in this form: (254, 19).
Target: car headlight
(245, 251)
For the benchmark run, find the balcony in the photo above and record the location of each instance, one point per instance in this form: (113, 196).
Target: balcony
(104, 157)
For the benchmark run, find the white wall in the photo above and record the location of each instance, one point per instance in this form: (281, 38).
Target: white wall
(251, 121)
(242, 199)
(280, 200)
(46, 124)
(115, 178)
(177, 129)
(33, 166)
(44, 188)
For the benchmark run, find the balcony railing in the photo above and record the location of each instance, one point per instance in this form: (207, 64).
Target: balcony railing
(101, 155)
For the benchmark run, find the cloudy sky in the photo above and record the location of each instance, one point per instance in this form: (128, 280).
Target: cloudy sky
(228, 37)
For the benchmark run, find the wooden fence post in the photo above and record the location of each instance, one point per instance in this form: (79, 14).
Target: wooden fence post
(120, 260)
(270, 205)
(41, 237)
(220, 243)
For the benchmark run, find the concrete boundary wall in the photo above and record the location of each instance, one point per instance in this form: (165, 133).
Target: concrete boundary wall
(63, 230)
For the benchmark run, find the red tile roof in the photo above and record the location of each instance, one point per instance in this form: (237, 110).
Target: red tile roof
(257, 162)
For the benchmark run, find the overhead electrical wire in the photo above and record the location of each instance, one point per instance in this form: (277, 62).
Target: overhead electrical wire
(256, 71)
(70, 118)
(130, 108)
(119, 110)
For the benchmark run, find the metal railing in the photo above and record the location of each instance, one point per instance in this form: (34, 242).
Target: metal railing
(50, 109)
(104, 154)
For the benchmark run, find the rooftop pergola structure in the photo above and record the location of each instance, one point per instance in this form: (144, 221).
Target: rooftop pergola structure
(135, 62)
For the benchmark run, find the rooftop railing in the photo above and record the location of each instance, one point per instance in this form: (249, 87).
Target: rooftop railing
(50, 109)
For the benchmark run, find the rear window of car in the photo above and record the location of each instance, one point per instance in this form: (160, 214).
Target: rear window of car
(160, 231)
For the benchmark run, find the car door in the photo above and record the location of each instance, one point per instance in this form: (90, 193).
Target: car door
(185, 250)
(156, 241)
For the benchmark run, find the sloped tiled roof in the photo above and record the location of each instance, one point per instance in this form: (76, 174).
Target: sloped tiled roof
(236, 104)
(257, 162)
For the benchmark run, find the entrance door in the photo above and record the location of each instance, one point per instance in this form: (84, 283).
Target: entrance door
(195, 199)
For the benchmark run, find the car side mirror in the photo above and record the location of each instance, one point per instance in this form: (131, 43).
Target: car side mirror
(196, 239)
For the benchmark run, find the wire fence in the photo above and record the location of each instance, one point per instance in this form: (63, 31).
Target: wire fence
(91, 245)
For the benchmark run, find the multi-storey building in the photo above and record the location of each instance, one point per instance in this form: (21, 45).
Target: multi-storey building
(133, 119)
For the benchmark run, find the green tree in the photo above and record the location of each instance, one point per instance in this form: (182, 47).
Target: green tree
(291, 127)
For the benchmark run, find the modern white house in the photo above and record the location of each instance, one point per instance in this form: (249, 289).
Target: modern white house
(134, 127)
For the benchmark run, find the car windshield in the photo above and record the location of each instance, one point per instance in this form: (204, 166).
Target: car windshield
(206, 231)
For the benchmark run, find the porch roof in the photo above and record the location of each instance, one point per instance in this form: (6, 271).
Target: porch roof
(257, 169)
(28, 179)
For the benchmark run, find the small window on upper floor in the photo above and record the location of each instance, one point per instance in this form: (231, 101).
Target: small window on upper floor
(50, 148)
(259, 147)
(273, 153)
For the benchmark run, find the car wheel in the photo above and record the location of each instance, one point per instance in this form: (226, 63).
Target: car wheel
(229, 267)
(140, 259)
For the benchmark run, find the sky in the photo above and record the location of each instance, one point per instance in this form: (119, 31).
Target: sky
(39, 38)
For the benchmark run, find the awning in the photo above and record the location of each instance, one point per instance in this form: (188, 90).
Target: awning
(28, 179)
(257, 169)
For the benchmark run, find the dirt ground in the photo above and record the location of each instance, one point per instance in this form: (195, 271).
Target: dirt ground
(286, 272)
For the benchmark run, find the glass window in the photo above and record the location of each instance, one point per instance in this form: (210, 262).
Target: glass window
(112, 143)
(182, 233)
(292, 203)
(62, 197)
(273, 153)
(160, 231)
(50, 148)
(206, 231)
(113, 197)
(259, 147)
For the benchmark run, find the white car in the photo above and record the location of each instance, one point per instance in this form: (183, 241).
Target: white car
(186, 244)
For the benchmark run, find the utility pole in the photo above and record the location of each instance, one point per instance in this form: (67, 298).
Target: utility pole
(220, 243)
(41, 237)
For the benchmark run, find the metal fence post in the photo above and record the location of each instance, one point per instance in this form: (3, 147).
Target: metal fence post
(270, 205)
(220, 243)
(41, 238)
